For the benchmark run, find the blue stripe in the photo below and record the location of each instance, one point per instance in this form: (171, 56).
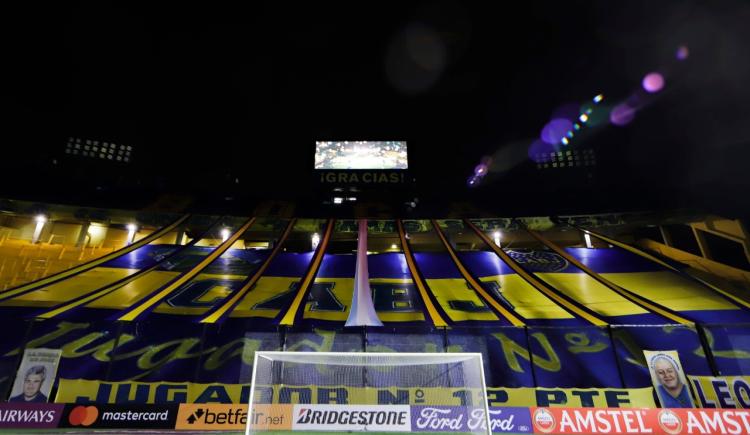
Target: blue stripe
(337, 266)
(389, 265)
(484, 263)
(437, 265)
(718, 316)
(575, 321)
(289, 264)
(639, 319)
(611, 261)
(142, 258)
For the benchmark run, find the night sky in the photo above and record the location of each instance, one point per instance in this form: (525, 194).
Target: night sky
(227, 101)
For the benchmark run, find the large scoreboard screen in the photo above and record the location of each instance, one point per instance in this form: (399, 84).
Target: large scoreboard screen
(343, 155)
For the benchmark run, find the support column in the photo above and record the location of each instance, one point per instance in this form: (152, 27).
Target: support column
(702, 244)
(667, 239)
(82, 235)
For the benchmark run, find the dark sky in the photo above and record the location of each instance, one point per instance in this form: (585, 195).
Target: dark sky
(212, 93)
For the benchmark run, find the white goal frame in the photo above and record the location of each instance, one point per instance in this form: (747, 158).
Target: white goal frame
(310, 357)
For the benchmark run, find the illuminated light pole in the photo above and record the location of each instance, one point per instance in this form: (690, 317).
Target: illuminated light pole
(587, 239)
(40, 220)
(132, 229)
(315, 239)
(496, 237)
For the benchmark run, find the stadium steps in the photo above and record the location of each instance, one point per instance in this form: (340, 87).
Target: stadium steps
(22, 261)
(733, 280)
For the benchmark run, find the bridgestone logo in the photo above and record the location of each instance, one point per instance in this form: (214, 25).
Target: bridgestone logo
(352, 417)
(366, 418)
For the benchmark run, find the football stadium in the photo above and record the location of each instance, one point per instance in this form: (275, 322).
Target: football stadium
(164, 313)
(436, 217)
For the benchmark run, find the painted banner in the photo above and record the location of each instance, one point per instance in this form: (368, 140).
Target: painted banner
(639, 421)
(721, 391)
(571, 356)
(87, 391)
(216, 283)
(669, 379)
(30, 415)
(157, 351)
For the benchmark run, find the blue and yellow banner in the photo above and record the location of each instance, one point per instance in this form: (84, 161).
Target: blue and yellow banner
(514, 357)
(721, 391)
(122, 282)
(90, 391)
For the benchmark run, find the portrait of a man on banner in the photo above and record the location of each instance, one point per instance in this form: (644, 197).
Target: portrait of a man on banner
(35, 376)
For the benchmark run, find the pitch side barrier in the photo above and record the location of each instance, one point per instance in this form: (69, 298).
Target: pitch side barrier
(306, 419)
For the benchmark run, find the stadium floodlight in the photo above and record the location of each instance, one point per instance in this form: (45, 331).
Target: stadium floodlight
(224, 234)
(338, 200)
(132, 228)
(40, 220)
(315, 241)
(328, 392)
(587, 239)
(496, 238)
(98, 149)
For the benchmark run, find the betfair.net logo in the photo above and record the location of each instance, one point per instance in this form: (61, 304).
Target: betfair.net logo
(205, 416)
(233, 417)
(195, 416)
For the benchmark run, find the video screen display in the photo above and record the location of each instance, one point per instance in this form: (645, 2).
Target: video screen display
(361, 155)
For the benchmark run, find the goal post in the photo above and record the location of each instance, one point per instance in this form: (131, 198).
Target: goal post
(308, 392)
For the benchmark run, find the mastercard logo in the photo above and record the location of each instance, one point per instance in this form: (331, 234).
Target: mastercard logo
(83, 415)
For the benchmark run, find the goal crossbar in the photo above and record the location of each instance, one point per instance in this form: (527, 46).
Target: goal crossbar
(357, 358)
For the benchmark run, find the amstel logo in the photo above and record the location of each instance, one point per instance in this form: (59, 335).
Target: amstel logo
(670, 422)
(83, 415)
(544, 421)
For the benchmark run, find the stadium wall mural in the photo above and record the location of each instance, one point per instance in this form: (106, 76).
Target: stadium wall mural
(179, 317)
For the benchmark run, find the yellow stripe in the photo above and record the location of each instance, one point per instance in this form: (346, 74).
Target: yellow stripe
(437, 320)
(240, 294)
(96, 295)
(132, 315)
(533, 281)
(612, 286)
(288, 319)
(474, 284)
(648, 256)
(91, 264)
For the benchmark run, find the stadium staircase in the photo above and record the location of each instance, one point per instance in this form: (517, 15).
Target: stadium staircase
(22, 261)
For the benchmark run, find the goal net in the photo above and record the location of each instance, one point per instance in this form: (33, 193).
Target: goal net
(312, 392)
